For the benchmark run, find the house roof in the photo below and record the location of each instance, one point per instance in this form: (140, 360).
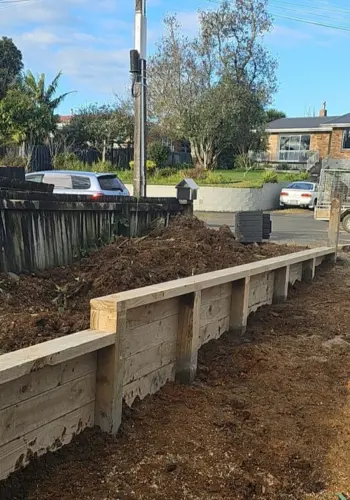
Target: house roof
(312, 123)
(340, 119)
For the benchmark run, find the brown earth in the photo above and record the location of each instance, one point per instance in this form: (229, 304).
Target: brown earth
(267, 418)
(49, 304)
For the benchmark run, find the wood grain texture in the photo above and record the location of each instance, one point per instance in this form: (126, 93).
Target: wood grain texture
(151, 313)
(213, 330)
(149, 384)
(187, 337)
(18, 452)
(109, 379)
(239, 305)
(54, 352)
(33, 413)
(44, 380)
(281, 284)
(148, 361)
(150, 335)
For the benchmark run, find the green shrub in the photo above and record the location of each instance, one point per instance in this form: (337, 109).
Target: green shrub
(299, 176)
(150, 166)
(270, 177)
(102, 167)
(158, 153)
(11, 160)
(213, 178)
(68, 161)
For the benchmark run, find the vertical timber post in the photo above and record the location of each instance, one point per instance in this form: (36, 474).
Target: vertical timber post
(239, 305)
(308, 271)
(187, 337)
(110, 366)
(281, 283)
(333, 227)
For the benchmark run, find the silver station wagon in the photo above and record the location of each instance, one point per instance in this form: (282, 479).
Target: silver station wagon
(83, 183)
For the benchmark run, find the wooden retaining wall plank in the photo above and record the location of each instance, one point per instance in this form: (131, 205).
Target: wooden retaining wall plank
(53, 352)
(33, 413)
(48, 378)
(213, 330)
(149, 384)
(49, 437)
(295, 273)
(149, 335)
(260, 291)
(215, 310)
(216, 292)
(148, 361)
(150, 313)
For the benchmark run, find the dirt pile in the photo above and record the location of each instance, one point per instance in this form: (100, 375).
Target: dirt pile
(35, 308)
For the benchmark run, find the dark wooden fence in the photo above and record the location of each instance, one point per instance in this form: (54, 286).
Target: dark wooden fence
(120, 158)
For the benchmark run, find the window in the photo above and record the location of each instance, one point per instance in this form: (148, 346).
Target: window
(80, 182)
(346, 139)
(294, 147)
(110, 183)
(34, 178)
(305, 186)
(61, 181)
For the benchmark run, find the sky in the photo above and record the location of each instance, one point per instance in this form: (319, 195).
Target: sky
(89, 41)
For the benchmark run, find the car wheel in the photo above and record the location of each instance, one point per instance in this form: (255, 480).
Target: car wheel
(346, 223)
(314, 205)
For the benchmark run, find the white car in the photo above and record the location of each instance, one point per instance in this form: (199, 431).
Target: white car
(299, 194)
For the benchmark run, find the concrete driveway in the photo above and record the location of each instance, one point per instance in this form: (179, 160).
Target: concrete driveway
(300, 228)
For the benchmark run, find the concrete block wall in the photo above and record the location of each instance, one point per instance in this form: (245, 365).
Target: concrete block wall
(222, 199)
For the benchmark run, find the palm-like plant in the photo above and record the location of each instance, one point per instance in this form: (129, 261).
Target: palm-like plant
(37, 90)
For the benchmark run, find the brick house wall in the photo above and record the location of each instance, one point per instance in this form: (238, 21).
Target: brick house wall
(336, 150)
(321, 142)
(272, 147)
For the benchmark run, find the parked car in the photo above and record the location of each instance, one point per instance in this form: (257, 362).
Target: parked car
(83, 183)
(299, 194)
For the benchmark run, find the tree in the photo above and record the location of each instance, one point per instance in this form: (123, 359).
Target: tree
(159, 153)
(102, 126)
(27, 111)
(11, 64)
(41, 94)
(274, 114)
(205, 89)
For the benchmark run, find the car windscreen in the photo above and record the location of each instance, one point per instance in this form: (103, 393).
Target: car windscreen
(301, 185)
(110, 183)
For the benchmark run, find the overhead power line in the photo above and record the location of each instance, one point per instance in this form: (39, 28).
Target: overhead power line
(315, 23)
(304, 12)
(301, 20)
(324, 7)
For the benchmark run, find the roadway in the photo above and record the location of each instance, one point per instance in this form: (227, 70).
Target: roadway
(299, 228)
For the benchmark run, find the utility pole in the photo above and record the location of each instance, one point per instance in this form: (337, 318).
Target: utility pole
(138, 70)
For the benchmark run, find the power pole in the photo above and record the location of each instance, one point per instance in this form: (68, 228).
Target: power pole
(138, 69)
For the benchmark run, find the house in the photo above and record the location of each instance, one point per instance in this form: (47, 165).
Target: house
(308, 140)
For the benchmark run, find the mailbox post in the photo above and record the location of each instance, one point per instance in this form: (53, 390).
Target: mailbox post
(186, 194)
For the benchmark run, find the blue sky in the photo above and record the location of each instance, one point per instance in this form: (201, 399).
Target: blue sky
(89, 40)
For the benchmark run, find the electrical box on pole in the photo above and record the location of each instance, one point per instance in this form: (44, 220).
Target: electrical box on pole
(139, 92)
